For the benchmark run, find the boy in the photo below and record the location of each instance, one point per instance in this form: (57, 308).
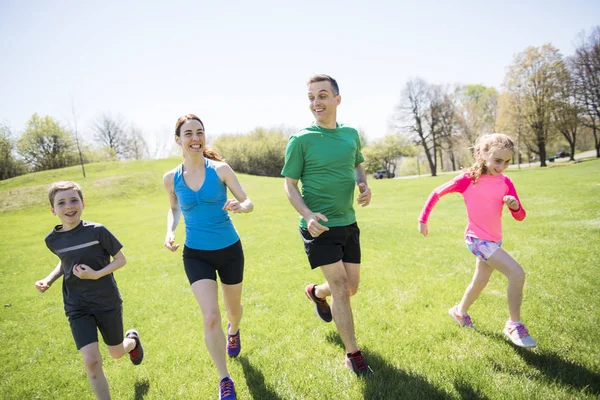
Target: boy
(91, 297)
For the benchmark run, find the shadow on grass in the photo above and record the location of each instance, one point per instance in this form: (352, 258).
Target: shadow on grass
(255, 380)
(389, 382)
(555, 368)
(141, 389)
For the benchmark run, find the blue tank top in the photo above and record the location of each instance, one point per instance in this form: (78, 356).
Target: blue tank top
(207, 225)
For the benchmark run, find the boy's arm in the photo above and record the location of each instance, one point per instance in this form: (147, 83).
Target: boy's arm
(45, 283)
(83, 271)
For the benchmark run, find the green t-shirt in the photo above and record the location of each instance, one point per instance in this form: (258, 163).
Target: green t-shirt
(324, 161)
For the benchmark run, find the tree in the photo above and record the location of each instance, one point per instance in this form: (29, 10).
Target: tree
(533, 78)
(9, 165)
(476, 107)
(386, 153)
(585, 69)
(510, 119)
(46, 145)
(136, 145)
(567, 111)
(110, 133)
(419, 117)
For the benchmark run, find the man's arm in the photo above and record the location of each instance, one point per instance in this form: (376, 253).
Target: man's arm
(293, 194)
(364, 198)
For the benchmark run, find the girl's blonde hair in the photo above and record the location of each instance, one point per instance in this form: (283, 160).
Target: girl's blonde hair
(483, 147)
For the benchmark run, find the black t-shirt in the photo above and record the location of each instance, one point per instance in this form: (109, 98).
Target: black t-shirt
(91, 244)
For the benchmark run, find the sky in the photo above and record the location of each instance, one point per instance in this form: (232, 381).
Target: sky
(239, 65)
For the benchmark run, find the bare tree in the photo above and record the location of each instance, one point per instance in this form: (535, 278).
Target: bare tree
(476, 111)
(585, 70)
(137, 147)
(110, 133)
(76, 135)
(418, 118)
(567, 112)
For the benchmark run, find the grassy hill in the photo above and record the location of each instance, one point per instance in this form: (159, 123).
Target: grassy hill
(408, 282)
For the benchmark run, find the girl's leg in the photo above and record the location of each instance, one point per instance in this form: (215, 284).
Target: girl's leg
(480, 280)
(92, 359)
(232, 297)
(206, 292)
(503, 262)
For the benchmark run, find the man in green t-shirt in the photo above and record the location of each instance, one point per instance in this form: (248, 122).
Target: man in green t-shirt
(326, 158)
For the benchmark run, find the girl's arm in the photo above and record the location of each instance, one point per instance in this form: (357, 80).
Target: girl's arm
(512, 201)
(174, 212)
(458, 184)
(241, 204)
(45, 283)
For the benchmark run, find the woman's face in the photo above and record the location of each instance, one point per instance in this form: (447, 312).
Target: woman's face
(191, 137)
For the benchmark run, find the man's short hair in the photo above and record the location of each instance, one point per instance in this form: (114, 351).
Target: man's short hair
(326, 78)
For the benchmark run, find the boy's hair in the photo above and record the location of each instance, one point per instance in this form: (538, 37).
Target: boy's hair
(326, 78)
(208, 152)
(62, 186)
(483, 147)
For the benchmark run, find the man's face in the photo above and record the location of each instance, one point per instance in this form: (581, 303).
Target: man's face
(323, 104)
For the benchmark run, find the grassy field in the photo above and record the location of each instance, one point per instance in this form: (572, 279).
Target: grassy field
(408, 282)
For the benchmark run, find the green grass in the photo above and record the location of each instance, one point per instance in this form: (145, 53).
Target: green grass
(407, 284)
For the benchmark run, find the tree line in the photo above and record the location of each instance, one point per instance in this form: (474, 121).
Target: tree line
(547, 102)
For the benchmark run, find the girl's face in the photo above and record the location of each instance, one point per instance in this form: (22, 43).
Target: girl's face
(498, 161)
(191, 137)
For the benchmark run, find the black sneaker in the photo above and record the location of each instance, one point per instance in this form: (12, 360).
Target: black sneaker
(321, 307)
(137, 354)
(356, 363)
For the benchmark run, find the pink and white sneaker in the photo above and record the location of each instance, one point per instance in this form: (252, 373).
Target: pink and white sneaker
(519, 334)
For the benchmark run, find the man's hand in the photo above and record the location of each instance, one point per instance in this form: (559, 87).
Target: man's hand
(313, 226)
(364, 198)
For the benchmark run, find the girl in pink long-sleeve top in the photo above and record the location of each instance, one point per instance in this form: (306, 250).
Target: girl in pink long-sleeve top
(486, 190)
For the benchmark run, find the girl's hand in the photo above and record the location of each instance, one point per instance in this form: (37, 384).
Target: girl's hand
(423, 229)
(233, 206)
(82, 271)
(169, 242)
(42, 286)
(511, 202)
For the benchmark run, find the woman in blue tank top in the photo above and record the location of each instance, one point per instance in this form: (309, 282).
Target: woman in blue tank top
(198, 189)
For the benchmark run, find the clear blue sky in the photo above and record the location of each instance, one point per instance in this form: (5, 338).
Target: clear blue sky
(242, 64)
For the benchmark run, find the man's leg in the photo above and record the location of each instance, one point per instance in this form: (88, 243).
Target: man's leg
(337, 280)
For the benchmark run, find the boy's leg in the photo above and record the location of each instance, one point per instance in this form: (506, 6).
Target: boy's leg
(110, 324)
(481, 277)
(206, 293)
(123, 348)
(93, 367)
(503, 262)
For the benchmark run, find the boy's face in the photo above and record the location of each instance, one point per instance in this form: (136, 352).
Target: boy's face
(68, 207)
(323, 104)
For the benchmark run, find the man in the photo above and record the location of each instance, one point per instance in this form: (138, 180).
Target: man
(326, 158)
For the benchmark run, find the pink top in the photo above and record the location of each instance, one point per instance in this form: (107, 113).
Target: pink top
(484, 201)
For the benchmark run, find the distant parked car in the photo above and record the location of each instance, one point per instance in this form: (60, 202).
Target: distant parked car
(562, 154)
(383, 173)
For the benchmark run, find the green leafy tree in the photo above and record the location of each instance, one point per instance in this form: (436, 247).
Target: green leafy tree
(534, 78)
(45, 144)
(387, 152)
(10, 166)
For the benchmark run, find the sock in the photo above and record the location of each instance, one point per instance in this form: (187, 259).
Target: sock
(514, 323)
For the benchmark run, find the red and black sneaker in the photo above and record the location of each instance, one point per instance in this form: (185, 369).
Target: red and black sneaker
(137, 354)
(321, 307)
(356, 363)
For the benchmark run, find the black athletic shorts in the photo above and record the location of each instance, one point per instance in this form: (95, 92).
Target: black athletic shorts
(85, 326)
(228, 262)
(338, 243)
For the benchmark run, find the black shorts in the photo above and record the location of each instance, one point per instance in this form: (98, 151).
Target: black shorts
(85, 326)
(338, 243)
(204, 264)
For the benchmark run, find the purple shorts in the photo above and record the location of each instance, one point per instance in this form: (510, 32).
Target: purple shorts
(482, 249)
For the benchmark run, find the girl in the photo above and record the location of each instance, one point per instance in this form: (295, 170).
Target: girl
(486, 190)
(198, 187)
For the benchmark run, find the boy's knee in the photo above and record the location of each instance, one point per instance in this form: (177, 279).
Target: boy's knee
(92, 362)
(116, 352)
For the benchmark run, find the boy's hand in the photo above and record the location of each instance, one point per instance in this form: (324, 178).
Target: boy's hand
(82, 271)
(423, 229)
(42, 286)
(169, 242)
(511, 202)
(364, 198)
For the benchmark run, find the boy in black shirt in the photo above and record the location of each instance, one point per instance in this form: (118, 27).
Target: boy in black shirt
(91, 297)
